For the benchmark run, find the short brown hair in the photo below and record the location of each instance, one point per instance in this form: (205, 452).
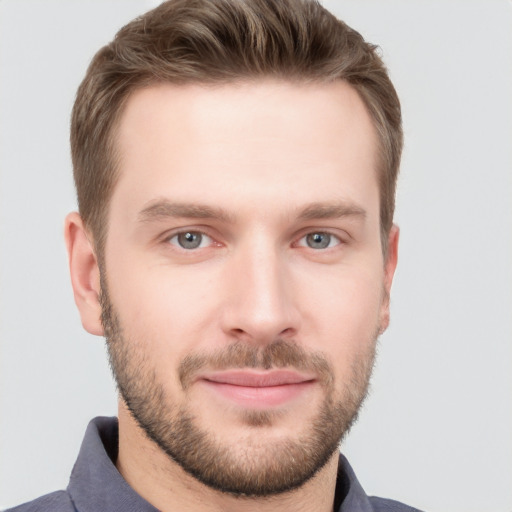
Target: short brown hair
(223, 41)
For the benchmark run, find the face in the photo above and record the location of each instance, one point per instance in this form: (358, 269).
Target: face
(243, 282)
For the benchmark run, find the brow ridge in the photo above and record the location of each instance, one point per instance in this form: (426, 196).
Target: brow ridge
(331, 211)
(163, 208)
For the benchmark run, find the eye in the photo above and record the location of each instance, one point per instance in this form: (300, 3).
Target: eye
(319, 240)
(190, 240)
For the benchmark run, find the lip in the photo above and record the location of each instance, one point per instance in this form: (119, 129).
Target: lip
(258, 389)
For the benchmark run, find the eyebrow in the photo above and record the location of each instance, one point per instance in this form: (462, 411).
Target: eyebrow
(331, 211)
(163, 208)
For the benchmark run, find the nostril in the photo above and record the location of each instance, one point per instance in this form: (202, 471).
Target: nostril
(238, 334)
(288, 332)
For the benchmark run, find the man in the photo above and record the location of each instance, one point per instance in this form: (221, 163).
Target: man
(235, 165)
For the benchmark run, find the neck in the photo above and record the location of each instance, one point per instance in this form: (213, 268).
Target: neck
(164, 484)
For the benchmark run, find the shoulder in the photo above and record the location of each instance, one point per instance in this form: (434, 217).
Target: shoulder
(58, 501)
(385, 505)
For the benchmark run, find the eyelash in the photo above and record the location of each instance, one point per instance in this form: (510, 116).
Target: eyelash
(299, 243)
(194, 232)
(331, 237)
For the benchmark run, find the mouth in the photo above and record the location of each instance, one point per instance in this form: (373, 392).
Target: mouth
(258, 389)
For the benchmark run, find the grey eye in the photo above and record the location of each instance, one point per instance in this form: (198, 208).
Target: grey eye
(188, 239)
(318, 240)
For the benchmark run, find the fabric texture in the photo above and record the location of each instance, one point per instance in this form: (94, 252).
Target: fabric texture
(96, 485)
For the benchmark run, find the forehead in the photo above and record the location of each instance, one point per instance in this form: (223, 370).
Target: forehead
(314, 141)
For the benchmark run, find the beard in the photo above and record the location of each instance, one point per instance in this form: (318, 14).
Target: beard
(253, 466)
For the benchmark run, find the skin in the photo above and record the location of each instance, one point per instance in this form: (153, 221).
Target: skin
(268, 153)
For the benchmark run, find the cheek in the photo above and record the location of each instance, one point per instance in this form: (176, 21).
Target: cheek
(162, 307)
(345, 315)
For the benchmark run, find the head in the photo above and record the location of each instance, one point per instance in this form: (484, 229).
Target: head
(236, 165)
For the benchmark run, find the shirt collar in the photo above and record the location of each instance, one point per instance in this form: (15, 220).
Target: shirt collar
(96, 484)
(355, 499)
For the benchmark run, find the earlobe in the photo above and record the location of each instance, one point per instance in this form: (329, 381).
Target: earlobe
(84, 271)
(389, 272)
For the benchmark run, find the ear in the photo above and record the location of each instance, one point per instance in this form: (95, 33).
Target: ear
(85, 274)
(389, 272)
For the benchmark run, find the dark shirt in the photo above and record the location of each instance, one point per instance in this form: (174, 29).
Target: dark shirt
(96, 485)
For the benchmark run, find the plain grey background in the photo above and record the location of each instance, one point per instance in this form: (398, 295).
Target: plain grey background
(436, 431)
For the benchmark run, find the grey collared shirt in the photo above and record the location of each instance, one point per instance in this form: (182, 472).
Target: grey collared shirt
(97, 486)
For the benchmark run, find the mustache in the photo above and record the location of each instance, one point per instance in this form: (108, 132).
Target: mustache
(278, 354)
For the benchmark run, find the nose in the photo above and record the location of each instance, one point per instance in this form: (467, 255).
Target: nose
(261, 303)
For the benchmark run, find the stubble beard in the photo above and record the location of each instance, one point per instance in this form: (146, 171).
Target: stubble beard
(260, 467)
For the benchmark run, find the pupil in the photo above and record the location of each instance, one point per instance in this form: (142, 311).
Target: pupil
(189, 240)
(318, 240)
